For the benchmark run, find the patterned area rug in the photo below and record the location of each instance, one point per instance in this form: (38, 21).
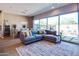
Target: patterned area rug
(46, 49)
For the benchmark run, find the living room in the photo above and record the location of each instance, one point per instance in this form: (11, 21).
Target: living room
(39, 29)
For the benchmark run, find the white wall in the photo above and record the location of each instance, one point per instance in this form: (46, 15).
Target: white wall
(15, 19)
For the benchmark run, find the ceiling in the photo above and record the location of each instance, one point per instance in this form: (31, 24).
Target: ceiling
(29, 9)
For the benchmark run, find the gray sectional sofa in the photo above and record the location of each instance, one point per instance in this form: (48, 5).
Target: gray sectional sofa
(36, 36)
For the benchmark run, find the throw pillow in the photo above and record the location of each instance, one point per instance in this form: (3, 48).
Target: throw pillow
(26, 33)
(41, 31)
(30, 32)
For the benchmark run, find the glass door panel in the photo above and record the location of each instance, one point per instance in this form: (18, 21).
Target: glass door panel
(69, 27)
(53, 23)
(43, 24)
(36, 25)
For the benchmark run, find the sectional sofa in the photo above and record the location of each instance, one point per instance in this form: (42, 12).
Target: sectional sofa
(36, 36)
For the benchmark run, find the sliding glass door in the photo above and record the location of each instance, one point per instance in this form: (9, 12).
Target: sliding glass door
(69, 27)
(66, 25)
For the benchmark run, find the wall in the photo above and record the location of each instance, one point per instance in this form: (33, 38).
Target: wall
(1, 26)
(15, 19)
(62, 10)
(30, 22)
(0, 19)
(11, 19)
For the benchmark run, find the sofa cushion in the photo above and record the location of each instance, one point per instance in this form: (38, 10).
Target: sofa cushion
(39, 37)
(52, 32)
(29, 38)
(32, 39)
(52, 38)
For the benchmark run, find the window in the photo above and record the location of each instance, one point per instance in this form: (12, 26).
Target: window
(66, 25)
(36, 24)
(53, 23)
(69, 27)
(43, 23)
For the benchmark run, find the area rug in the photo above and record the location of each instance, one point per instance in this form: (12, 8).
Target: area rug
(47, 49)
